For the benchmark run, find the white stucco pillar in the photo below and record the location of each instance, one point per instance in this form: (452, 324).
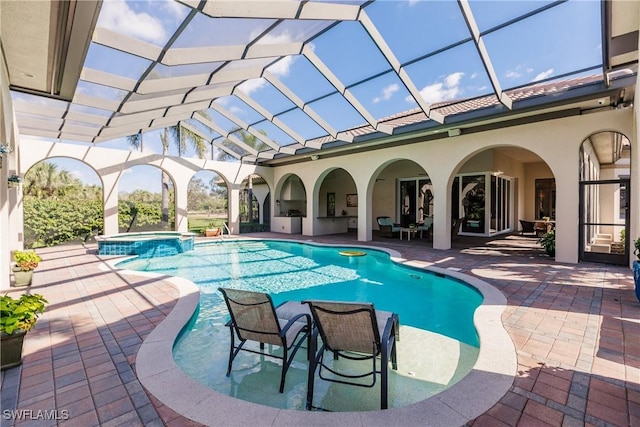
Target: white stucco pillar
(567, 217)
(634, 221)
(181, 213)
(365, 208)
(234, 208)
(441, 216)
(110, 203)
(5, 256)
(16, 217)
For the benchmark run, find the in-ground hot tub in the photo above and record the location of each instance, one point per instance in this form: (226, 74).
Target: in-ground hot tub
(146, 245)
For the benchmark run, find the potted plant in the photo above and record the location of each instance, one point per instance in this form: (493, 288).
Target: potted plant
(548, 242)
(17, 317)
(212, 230)
(636, 267)
(26, 262)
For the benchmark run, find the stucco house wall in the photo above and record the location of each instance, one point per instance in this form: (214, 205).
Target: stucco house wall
(556, 142)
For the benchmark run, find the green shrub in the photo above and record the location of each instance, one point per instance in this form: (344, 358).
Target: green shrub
(20, 314)
(26, 260)
(548, 242)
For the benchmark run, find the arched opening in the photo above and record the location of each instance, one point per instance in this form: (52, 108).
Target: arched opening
(403, 196)
(146, 200)
(62, 201)
(255, 201)
(207, 202)
(291, 205)
(337, 199)
(497, 187)
(605, 170)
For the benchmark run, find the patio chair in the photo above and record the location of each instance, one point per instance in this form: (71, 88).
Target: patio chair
(425, 226)
(542, 228)
(527, 227)
(455, 228)
(387, 227)
(254, 318)
(356, 332)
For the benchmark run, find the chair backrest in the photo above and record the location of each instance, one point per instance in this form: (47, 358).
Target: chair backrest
(346, 326)
(527, 226)
(385, 220)
(541, 226)
(253, 315)
(455, 227)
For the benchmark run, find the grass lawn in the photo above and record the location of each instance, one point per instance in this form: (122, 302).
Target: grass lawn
(198, 222)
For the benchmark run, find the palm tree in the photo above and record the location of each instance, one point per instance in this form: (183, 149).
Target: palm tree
(253, 142)
(42, 180)
(183, 138)
(248, 139)
(45, 180)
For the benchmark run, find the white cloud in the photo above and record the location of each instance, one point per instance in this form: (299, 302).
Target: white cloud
(237, 110)
(543, 75)
(283, 66)
(518, 72)
(387, 93)
(449, 88)
(174, 9)
(116, 15)
(280, 69)
(284, 37)
(453, 79)
(414, 2)
(252, 85)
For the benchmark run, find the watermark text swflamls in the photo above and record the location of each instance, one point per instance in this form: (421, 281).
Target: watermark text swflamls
(31, 414)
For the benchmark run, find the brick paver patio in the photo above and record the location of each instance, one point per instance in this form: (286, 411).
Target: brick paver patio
(576, 329)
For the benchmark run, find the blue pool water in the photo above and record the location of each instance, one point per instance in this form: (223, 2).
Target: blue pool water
(297, 271)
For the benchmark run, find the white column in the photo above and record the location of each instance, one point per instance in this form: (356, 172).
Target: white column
(441, 215)
(181, 213)
(234, 208)
(634, 211)
(5, 249)
(110, 203)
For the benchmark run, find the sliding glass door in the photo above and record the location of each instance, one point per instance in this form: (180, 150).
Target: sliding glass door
(416, 200)
(484, 201)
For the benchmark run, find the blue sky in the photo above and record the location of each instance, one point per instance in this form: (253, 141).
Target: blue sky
(537, 48)
(560, 40)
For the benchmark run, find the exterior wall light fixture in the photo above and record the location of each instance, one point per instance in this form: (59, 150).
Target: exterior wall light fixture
(14, 181)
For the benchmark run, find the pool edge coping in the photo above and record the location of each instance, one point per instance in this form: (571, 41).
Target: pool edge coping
(490, 378)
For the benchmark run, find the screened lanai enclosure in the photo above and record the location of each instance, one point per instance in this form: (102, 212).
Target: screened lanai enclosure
(302, 76)
(480, 100)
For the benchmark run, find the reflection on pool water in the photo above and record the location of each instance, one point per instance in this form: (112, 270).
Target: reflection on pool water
(438, 344)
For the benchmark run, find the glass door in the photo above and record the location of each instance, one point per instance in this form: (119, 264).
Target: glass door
(408, 202)
(473, 203)
(500, 204)
(604, 221)
(416, 200)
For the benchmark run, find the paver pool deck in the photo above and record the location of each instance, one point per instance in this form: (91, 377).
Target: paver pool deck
(575, 328)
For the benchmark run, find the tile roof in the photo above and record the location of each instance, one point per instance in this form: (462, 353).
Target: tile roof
(451, 108)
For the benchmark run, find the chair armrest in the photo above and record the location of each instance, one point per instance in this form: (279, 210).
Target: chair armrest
(294, 319)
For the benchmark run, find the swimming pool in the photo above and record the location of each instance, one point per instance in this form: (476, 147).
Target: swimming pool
(435, 313)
